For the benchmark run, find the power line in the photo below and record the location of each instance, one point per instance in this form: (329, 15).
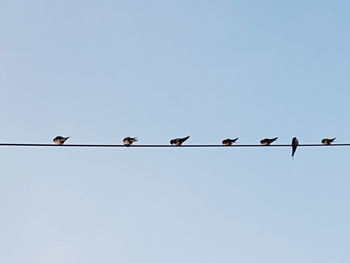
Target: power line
(166, 145)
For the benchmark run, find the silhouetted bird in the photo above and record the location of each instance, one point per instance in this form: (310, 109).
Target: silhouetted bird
(229, 142)
(129, 140)
(295, 144)
(178, 141)
(60, 140)
(268, 141)
(327, 141)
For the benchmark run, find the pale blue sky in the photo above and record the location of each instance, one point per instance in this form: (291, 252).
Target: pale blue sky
(102, 70)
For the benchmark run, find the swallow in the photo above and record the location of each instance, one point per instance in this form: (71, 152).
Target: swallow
(229, 142)
(268, 141)
(129, 140)
(59, 140)
(327, 141)
(295, 144)
(178, 141)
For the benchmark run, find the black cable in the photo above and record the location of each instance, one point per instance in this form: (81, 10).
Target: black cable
(165, 145)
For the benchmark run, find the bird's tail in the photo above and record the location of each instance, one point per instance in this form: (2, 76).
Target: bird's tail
(185, 138)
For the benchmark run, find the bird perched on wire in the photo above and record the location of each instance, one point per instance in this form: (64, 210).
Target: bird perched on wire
(178, 141)
(60, 140)
(229, 142)
(295, 144)
(268, 141)
(327, 141)
(129, 140)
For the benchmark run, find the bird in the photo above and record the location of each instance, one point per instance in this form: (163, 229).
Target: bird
(295, 144)
(178, 141)
(129, 140)
(327, 141)
(229, 142)
(59, 140)
(268, 141)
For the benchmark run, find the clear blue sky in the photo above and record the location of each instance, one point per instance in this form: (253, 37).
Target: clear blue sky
(102, 70)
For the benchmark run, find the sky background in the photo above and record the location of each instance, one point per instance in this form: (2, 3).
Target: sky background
(99, 71)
